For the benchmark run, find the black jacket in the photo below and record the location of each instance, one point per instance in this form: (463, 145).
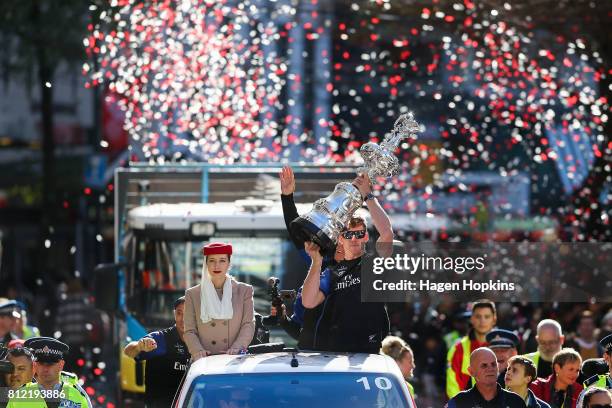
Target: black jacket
(304, 332)
(473, 399)
(535, 402)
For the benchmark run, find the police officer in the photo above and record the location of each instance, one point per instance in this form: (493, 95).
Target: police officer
(167, 357)
(8, 313)
(603, 380)
(504, 344)
(486, 393)
(49, 390)
(22, 328)
(65, 376)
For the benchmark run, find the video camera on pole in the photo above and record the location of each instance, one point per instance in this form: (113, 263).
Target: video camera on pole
(6, 367)
(277, 297)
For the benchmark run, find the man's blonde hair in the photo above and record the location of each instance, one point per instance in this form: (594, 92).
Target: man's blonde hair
(356, 221)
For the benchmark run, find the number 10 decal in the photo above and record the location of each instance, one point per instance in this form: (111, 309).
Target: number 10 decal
(382, 383)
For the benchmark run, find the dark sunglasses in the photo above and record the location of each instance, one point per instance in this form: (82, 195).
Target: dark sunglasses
(357, 234)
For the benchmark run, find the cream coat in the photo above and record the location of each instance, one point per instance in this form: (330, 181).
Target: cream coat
(217, 336)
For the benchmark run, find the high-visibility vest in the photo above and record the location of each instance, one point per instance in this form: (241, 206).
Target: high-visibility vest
(451, 338)
(30, 396)
(30, 331)
(535, 357)
(410, 388)
(68, 377)
(601, 380)
(452, 386)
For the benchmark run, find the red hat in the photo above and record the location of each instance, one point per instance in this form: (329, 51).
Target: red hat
(15, 343)
(217, 248)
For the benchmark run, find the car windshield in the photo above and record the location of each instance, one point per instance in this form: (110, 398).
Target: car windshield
(296, 390)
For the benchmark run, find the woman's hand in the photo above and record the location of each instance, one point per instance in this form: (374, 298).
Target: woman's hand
(199, 355)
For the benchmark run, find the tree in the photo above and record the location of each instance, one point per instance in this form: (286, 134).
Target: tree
(38, 36)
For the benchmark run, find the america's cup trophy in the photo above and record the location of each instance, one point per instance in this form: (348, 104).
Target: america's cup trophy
(324, 223)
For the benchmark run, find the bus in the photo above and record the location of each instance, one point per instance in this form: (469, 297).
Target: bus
(163, 217)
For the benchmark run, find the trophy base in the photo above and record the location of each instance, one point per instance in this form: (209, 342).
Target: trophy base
(303, 230)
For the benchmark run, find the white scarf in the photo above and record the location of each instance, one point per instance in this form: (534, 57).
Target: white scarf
(210, 305)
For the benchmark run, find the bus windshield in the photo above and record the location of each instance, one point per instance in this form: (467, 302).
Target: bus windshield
(163, 269)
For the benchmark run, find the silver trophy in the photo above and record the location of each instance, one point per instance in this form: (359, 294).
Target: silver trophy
(329, 215)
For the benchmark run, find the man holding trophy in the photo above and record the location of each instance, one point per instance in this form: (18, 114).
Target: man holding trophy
(347, 324)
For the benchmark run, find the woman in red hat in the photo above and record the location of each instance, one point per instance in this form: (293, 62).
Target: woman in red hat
(219, 311)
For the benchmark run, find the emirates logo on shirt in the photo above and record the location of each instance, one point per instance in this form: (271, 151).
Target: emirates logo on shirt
(347, 282)
(180, 366)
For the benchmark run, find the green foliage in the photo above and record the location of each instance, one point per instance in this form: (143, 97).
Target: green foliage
(41, 30)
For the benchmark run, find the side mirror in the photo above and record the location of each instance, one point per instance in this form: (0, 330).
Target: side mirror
(106, 287)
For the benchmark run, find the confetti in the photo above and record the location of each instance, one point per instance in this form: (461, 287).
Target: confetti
(198, 80)
(226, 83)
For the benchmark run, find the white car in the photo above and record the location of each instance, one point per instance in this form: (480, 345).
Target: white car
(295, 380)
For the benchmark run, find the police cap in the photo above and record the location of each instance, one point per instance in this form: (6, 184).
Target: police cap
(593, 367)
(47, 349)
(502, 338)
(9, 309)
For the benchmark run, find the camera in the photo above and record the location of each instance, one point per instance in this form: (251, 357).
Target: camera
(6, 367)
(277, 297)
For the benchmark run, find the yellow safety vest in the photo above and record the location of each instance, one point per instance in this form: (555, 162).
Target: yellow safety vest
(451, 338)
(31, 396)
(535, 357)
(410, 388)
(70, 378)
(30, 331)
(601, 380)
(452, 386)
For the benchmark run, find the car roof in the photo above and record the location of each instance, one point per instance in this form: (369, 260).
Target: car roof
(281, 362)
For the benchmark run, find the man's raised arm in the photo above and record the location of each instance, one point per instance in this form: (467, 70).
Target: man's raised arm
(311, 292)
